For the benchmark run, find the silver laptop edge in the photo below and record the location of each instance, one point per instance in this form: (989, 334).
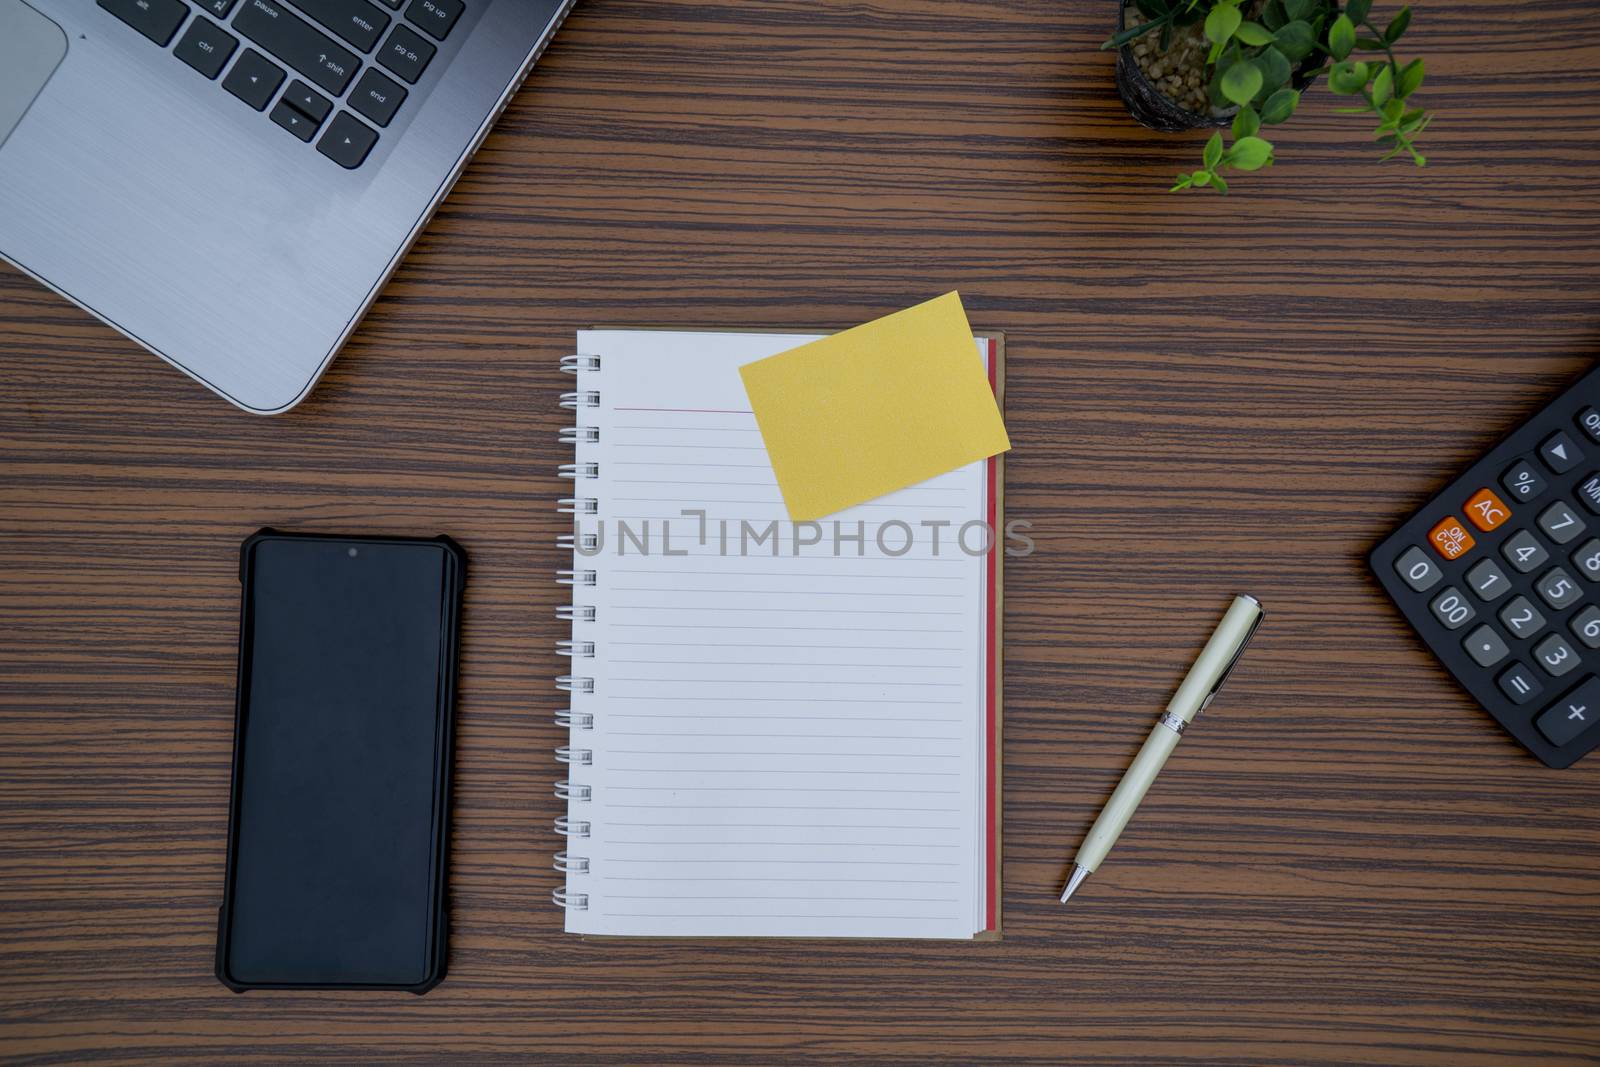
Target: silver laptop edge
(150, 197)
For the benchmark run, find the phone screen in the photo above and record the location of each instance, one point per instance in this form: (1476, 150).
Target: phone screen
(342, 740)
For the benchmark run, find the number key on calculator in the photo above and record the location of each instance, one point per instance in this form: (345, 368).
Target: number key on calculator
(1500, 574)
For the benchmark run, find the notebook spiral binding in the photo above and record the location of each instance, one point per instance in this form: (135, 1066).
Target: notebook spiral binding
(575, 647)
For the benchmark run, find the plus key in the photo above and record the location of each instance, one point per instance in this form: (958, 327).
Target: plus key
(1572, 714)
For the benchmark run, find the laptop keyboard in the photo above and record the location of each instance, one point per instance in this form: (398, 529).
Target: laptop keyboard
(347, 63)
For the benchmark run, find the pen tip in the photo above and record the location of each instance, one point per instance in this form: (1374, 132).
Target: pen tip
(1077, 879)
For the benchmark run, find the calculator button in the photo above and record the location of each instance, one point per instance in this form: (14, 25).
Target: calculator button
(1560, 452)
(1587, 559)
(1485, 646)
(1585, 626)
(1557, 588)
(1420, 572)
(1572, 714)
(1522, 618)
(1487, 580)
(1519, 683)
(1589, 423)
(1561, 523)
(1452, 609)
(1450, 539)
(1486, 511)
(1522, 481)
(1589, 493)
(1556, 656)
(1524, 552)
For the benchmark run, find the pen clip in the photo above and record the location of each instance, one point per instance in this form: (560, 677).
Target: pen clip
(1222, 678)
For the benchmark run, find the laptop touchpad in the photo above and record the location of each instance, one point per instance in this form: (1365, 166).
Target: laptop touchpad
(30, 48)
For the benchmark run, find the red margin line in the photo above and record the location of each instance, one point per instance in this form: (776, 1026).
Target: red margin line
(992, 656)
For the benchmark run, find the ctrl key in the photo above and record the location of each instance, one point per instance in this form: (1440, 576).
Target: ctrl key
(347, 141)
(1572, 714)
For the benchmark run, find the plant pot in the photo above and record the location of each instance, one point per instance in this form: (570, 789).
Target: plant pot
(1148, 104)
(1153, 108)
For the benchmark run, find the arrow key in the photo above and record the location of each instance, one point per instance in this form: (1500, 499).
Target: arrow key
(1560, 452)
(296, 123)
(347, 141)
(253, 79)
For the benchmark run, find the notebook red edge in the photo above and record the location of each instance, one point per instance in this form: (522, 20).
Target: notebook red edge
(992, 657)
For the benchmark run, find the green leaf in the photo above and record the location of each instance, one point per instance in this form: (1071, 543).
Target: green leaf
(1253, 34)
(1219, 185)
(1249, 153)
(1414, 122)
(1213, 152)
(1246, 122)
(1202, 177)
(1279, 106)
(1341, 37)
(1122, 37)
(1275, 69)
(1184, 181)
(1356, 10)
(1392, 109)
(1346, 78)
(1369, 44)
(1410, 78)
(1221, 23)
(1297, 40)
(1397, 25)
(1273, 17)
(1298, 9)
(1383, 85)
(1242, 81)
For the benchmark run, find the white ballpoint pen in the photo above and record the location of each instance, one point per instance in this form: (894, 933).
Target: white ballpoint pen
(1199, 687)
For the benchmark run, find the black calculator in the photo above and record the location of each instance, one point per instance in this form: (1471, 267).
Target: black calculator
(1500, 574)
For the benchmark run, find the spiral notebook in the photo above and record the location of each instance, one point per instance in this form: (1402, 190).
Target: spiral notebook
(776, 729)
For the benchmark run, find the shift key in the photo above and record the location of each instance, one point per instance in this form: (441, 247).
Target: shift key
(298, 43)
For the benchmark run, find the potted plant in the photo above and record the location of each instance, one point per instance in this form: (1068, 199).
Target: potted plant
(1242, 65)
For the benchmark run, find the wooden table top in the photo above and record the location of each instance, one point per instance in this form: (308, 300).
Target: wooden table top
(1347, 863)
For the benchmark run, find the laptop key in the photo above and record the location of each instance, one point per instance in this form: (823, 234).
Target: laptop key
(405, 53)
(298, 43)
(253, 79)
(156, 19)
(354, 20)
(378, 97)
(219, 8)
(307, 101)
(285, 115)
(347, 141)
(206, 46)
(436, 17)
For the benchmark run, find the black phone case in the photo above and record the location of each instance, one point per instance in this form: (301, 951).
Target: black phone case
(439, 904)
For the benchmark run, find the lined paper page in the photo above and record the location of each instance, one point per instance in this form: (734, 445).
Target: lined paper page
(788, 738)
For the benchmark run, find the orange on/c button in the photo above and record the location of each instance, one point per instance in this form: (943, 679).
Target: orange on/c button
(1486, 510)
(1451, 539)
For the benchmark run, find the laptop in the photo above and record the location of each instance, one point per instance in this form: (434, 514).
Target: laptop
(230, 182)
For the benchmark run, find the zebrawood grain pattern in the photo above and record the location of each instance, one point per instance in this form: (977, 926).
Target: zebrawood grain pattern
(1347, 863)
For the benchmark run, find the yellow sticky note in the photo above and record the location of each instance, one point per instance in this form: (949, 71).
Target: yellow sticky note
(875, 409)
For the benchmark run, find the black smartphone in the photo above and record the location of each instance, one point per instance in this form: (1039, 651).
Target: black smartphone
(338, 826)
